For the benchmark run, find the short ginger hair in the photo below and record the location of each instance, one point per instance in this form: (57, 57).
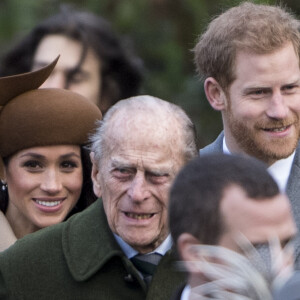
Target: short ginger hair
(255, 28)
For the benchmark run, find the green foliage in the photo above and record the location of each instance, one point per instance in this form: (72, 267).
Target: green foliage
(163, 33)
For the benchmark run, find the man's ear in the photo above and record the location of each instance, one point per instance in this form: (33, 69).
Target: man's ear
(184, 246)
(94, 175)
(215, 94)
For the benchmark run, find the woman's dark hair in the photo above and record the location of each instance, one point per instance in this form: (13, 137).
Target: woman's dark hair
(121, 70)
(87, 195)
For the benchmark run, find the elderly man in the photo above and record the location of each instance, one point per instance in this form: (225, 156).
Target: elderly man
(110, 251)
(230, 202)
(253, 79)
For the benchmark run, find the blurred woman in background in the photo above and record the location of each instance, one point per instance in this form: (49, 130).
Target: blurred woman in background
(94, 61)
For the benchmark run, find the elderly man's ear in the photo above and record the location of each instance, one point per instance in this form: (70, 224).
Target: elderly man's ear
(215, 94)
(185, 244)
(95, 175)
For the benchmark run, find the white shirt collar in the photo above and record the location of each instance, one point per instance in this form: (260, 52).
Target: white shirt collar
(280, 170)
(186, 293)
(130, 252)
(225, 148)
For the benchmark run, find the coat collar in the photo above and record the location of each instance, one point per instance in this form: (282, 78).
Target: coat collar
(214, 147)
(293, 186)
(88, 242)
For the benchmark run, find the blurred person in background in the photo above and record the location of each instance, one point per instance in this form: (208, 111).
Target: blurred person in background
(46, 167)
(94, 61)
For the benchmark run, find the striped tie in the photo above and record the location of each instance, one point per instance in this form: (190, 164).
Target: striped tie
(146, 264)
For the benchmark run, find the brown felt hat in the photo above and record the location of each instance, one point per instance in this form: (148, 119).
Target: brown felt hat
(32, 117)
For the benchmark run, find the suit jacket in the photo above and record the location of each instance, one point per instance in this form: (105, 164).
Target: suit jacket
(79, 259)
(177, 294)
(292, 189)
(7, 236)
(214, 147)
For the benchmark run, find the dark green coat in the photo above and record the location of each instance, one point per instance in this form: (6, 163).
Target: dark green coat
(79, 259)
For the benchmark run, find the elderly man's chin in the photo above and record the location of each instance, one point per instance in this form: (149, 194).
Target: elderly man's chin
(144, 240)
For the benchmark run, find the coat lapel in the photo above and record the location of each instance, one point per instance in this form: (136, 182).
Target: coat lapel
(88, 243)
(215, 147)
(293, 186)
(293, 192)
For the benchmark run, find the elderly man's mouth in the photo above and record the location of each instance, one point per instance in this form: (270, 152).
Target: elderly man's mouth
(139, 216)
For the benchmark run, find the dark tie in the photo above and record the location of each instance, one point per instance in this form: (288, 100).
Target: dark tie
(146, 264)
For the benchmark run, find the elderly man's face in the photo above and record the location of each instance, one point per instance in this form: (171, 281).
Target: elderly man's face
(134, 180)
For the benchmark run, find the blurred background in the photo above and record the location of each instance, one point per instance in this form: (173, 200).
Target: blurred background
(162, 32)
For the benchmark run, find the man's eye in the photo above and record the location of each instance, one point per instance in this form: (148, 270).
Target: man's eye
(288, 242)
(158, 178)
(258, 93)
(122, 173)
(290, 89)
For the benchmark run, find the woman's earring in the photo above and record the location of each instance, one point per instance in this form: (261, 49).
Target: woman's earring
(4, 185)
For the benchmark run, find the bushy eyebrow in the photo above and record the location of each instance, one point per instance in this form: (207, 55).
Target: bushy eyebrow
(295, 83)
(263, 87)
(156, 171)
(120, 164)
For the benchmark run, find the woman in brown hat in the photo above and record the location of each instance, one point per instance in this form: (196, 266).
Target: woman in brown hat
(46, 167)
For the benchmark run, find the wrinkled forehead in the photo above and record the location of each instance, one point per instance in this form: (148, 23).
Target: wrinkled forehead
(145, 140)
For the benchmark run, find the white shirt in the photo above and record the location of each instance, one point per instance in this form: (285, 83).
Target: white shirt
(186, 293)
(280, 170)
